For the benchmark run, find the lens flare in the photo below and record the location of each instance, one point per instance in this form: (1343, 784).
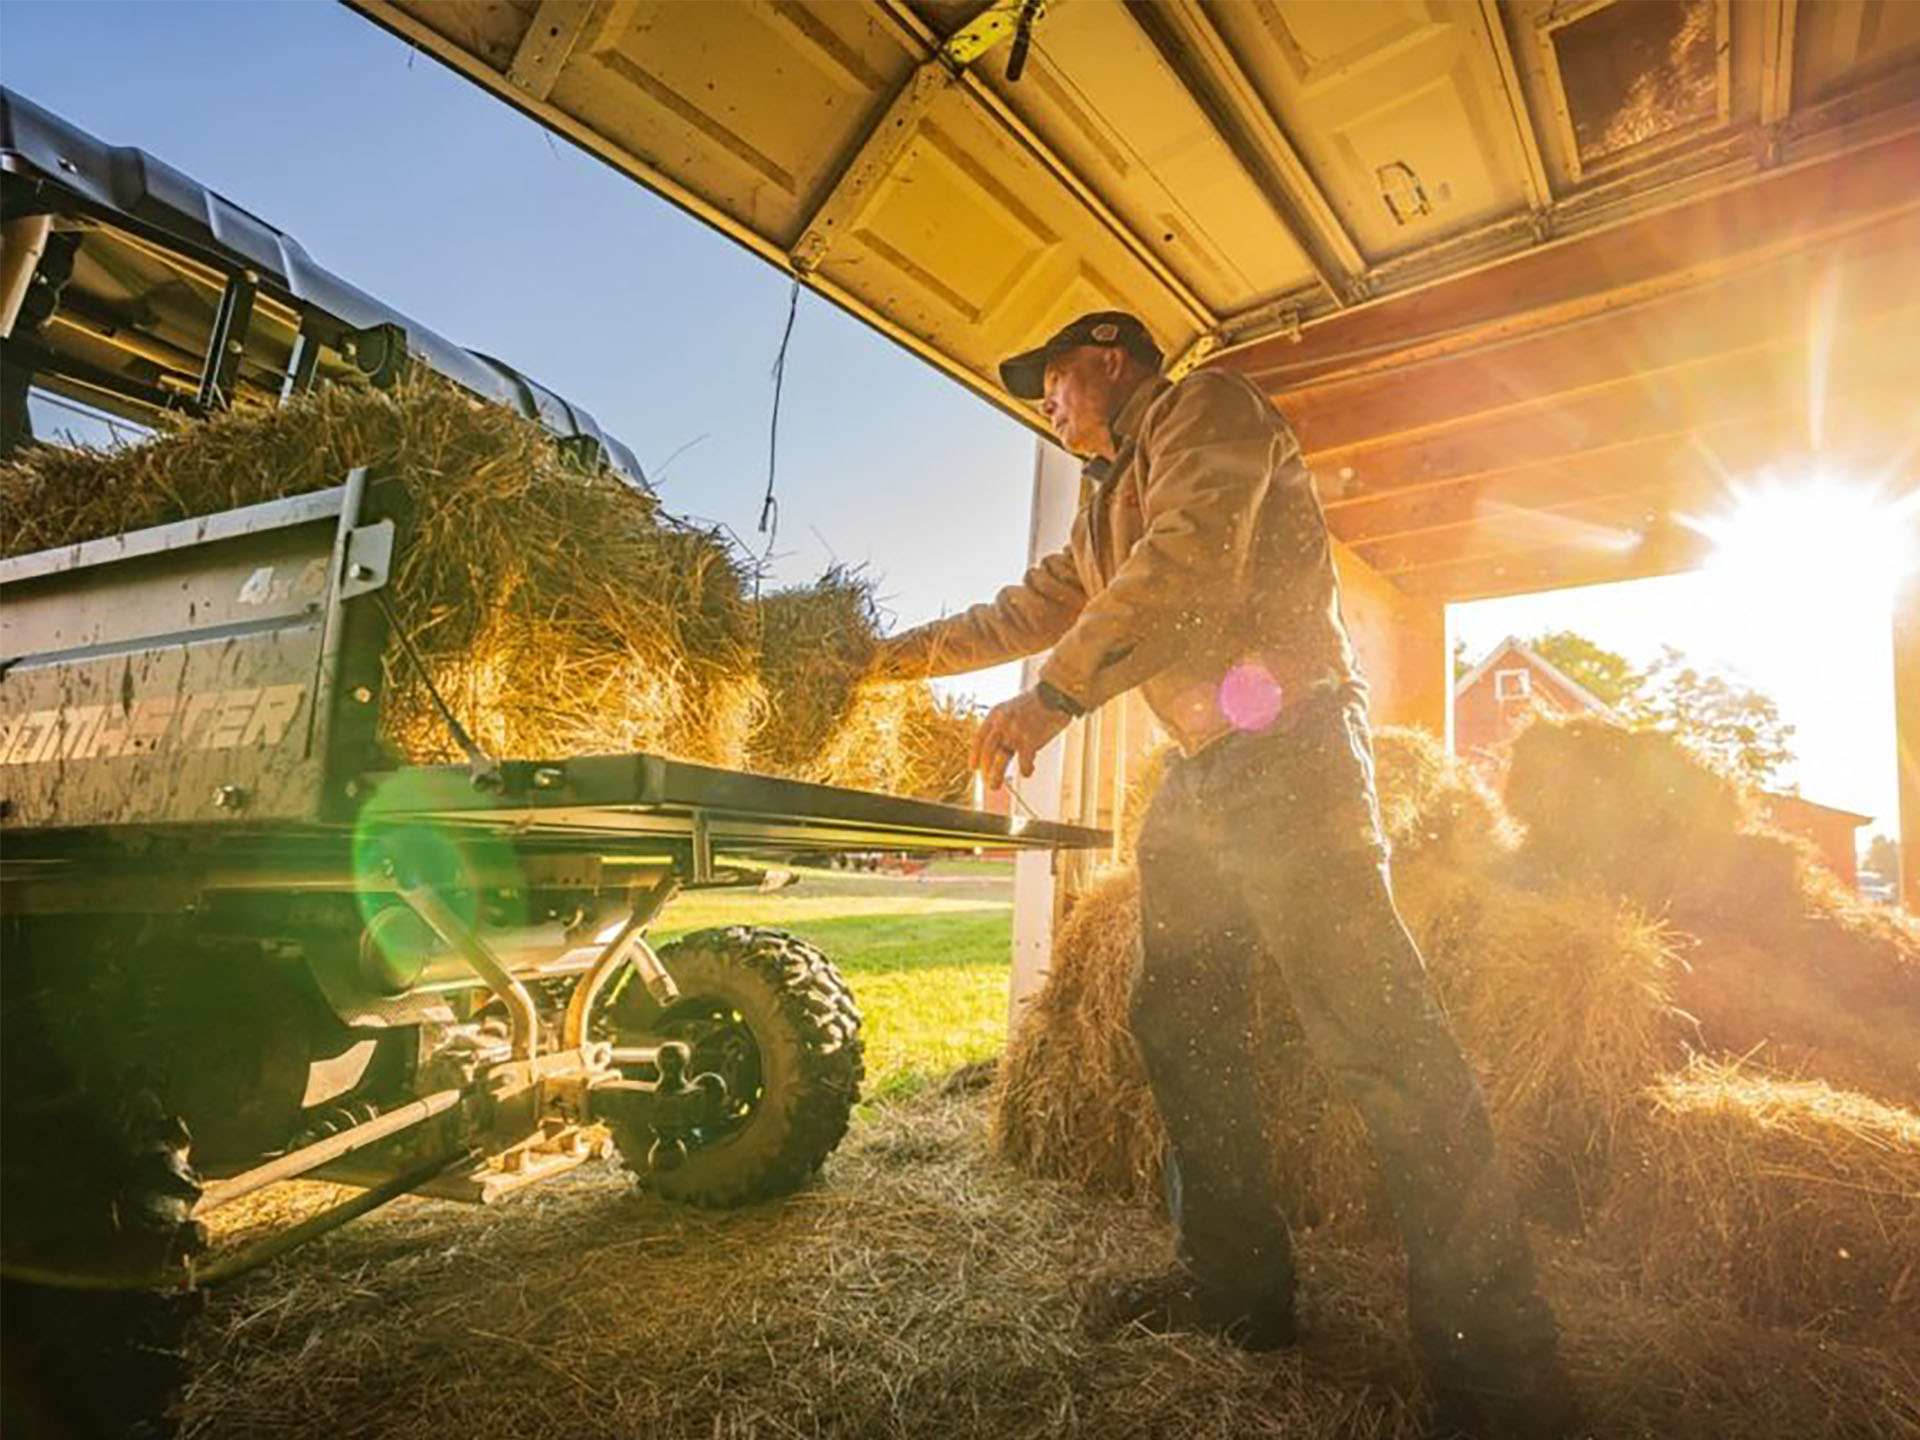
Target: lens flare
(1250, 697)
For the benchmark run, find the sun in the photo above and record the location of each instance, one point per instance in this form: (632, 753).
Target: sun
(1818, 536)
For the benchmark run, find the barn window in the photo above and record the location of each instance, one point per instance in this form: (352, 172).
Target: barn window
(1512, 685)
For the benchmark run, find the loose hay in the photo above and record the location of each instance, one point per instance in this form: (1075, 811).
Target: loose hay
(921, 1290)
(559, 611)
(1796, 1202)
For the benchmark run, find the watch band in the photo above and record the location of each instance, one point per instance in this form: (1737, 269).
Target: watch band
(1058, 701)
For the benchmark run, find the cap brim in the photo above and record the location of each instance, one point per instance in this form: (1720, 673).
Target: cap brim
(1025, 376)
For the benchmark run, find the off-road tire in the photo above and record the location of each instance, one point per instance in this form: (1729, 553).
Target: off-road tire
(805, 1056)
(107, 1356)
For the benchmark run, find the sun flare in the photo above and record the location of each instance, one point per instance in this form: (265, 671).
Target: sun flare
(1820, 535)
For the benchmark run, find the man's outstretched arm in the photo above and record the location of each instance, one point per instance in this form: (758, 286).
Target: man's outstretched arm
(1023, 619)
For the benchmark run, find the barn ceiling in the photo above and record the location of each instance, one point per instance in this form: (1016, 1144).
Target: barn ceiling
(1535, 279)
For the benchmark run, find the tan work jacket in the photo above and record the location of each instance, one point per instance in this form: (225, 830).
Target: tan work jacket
(1198, 569)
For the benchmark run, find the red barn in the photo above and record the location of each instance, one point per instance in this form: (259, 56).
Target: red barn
(1499, 697)
(1830, 830)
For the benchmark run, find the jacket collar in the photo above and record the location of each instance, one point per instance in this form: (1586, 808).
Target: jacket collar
(1125, 425)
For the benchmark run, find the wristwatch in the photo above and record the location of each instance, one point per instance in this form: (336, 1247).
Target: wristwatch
(1058, 701)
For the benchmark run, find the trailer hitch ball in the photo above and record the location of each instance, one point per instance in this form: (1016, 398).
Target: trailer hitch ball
(668, 1152)
(672, 1064)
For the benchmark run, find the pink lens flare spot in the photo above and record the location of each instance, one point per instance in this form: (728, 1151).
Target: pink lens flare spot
(1250, 697)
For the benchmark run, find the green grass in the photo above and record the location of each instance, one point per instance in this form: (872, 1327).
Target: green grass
(928, 964)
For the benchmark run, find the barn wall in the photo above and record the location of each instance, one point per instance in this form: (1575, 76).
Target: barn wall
(1402, 642)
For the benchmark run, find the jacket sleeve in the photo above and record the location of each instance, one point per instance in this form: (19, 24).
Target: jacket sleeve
(1023, 619)
(1211, 457)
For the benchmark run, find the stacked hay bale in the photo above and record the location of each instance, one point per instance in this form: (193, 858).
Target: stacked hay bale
(1072, 1101)
(558, 610)
(1568, 963)
(1781, 958)
(1565, 999)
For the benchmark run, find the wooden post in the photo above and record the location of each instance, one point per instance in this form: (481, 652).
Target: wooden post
(1056, 496)
(1906, 731)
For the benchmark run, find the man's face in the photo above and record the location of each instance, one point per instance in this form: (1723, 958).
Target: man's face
(1081, 386)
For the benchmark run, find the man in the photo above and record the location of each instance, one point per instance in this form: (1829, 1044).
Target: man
(1199, 571)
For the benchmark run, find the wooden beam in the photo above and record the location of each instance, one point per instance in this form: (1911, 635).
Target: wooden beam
(556, 27)
(1613, 522)
(1763, 381)
(1769, 305)
(1533, 168)
(1735, 446)
(1201, 61)
(1777, 27)
(1638, 258)
(1564, 567)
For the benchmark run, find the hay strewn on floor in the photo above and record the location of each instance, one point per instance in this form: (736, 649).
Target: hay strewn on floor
(560, 611)
(923, 1291)
(1796, 1202)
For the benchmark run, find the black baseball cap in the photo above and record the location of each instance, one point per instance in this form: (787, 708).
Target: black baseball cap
(1025, 374)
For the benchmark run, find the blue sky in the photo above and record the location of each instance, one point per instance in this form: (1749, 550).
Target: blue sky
(415, 185)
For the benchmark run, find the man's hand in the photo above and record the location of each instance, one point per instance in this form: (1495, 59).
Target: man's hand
(1014, 729)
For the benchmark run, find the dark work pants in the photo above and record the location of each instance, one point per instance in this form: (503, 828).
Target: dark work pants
(1262, 864)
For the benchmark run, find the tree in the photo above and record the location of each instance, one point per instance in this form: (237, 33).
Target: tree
(1883, 858)
(1731, 724)
(1602, 672)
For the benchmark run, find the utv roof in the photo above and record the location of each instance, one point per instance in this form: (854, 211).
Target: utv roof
(152, 269)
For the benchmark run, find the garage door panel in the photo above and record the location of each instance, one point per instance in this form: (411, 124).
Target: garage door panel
(1100, 97)
(755, 117)
(970, 244)
(489, 30)
(1395, 108)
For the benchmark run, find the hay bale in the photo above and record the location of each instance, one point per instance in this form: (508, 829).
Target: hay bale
(1565, 1004)
(816, 645)
(559, 611)
(1787, 1012)
(1142, 784)
(1433, 807)
(1797, 1202)
(827, 722)
(1563, 1001)
(1631, 811)
(902, 738)
(1072, 1101)
(1785, 958)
